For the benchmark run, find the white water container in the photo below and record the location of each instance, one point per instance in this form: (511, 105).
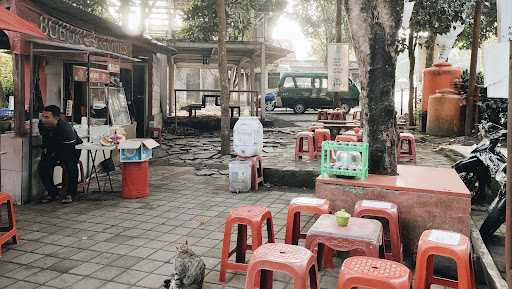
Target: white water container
(248, 137)
(239, 176)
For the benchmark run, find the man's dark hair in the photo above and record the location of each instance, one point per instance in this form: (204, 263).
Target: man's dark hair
(55, 110)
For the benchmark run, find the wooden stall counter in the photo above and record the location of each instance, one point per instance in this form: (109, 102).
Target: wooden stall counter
(427, 198)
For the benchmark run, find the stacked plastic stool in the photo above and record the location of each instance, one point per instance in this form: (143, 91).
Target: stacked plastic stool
(298, 262)
(300, 149)
(8, 233)
(387, 212)
(321, 135)
(316, 125)
(244, 217)
(408, 140)
(256, 170)
(448, 244)
(373, 273)
(313, 206)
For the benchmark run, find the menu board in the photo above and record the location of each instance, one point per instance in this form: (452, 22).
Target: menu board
(118, 107)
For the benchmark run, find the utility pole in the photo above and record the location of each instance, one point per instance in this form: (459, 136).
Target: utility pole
(225, 122)
(339, 28)
(263, 69)
(475, 43)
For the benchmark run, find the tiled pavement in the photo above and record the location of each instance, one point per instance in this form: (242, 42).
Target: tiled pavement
(117, 243)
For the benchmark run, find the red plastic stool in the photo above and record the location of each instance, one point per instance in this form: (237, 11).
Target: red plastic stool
(299, 145)
(410, 154)
(321, 115)
(335, 115)
(256, 170)
(448, 244)
(373, 273)
(346, 138)
(244, 216)
(298, 262)
(389, 212)
(10, 232)
(313, 206)
(156, 133)
(321, 135)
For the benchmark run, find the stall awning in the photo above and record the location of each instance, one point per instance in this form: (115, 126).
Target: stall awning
(65, 47)
(14, 23)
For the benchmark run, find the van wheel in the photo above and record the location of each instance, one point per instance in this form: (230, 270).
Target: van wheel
(299, 108)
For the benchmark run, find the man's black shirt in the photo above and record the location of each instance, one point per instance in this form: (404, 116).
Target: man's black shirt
(60, 141)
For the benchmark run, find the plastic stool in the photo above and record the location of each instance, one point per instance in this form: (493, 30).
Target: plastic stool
(244, 216)
(389, 212)
(335, 115)
(313, 206)
(10, 232)
(356, 115)
(298, 262)
(321, 135)
(316, 125)
(448, 244)
(158, 131)
(81, 182)
(299, 145)
(373, 273)
(322, 115)
(256, 170)
(410, 154)
(347, 138)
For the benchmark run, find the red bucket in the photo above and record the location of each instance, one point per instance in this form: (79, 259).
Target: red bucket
(135, 180)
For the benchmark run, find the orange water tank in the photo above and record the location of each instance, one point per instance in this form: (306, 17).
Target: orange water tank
(440, 76)
(444, 113)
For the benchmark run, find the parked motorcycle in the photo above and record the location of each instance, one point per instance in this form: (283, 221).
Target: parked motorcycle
(497, 209)
(484, 163)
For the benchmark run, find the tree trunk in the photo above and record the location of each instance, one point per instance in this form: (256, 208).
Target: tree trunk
(411, 49)
(430, 45)
(339, 12)
(223, 78)
(374, 25)
(475, 43)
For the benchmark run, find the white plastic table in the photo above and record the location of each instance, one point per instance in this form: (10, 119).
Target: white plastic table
(92, 152)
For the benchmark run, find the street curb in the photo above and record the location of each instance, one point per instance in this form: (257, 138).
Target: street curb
(492, 274)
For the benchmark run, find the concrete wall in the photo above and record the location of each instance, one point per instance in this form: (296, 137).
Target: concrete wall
(160, 91)
(54, 79)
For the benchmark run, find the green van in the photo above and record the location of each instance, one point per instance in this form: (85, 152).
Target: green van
(302, 91)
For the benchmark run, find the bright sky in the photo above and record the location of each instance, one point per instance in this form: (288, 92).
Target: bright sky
(289, 30)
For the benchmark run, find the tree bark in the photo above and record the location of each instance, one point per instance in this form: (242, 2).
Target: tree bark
(470, 103)
(339, 12)
(223, 78)
(374, 28)
(411, 49)
(430, 45)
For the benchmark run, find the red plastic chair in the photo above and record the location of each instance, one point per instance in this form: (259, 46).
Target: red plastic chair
(321, 115)
(10, 232)
(389, 212)
(410, 154)
(300, 139)
(156, 133)
(313, 206)
(321, 135)
(245, 217)
(256, 170)
(298, 262)
(373, 273)
(448, 244)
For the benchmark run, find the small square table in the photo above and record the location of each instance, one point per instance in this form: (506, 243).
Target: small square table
(362, 234)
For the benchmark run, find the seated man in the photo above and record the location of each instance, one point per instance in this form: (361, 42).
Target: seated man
(59, 141)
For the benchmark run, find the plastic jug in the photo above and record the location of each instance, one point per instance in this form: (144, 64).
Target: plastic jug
(248, 137)
(239, 176)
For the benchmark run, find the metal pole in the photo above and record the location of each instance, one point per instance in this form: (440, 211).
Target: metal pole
(475, 43)
(31, 110)
(401, 101)
(508, 239)
(263, 69)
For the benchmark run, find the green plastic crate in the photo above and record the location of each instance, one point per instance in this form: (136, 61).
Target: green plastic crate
(333, 146)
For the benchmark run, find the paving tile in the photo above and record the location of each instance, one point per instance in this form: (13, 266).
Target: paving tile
(4, 281)
(152, 281)
(107, 272)
(114, 285)
(142, 252)
(65, 266)
(22, 272)
(166, 269)
(7, 267)
(42, 276)
(126, 261)
(85, 255)
(22, 285)
(147, 266)
(88, 283)
(102, 246)
(26, 258)
(105, 258)
(122, 249)
(48, 249)
(64, 281)
(46, 262)
(86, 269)
(162, 255)
(130, 277)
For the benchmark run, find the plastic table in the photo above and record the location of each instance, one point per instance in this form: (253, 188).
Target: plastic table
(362, 234)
